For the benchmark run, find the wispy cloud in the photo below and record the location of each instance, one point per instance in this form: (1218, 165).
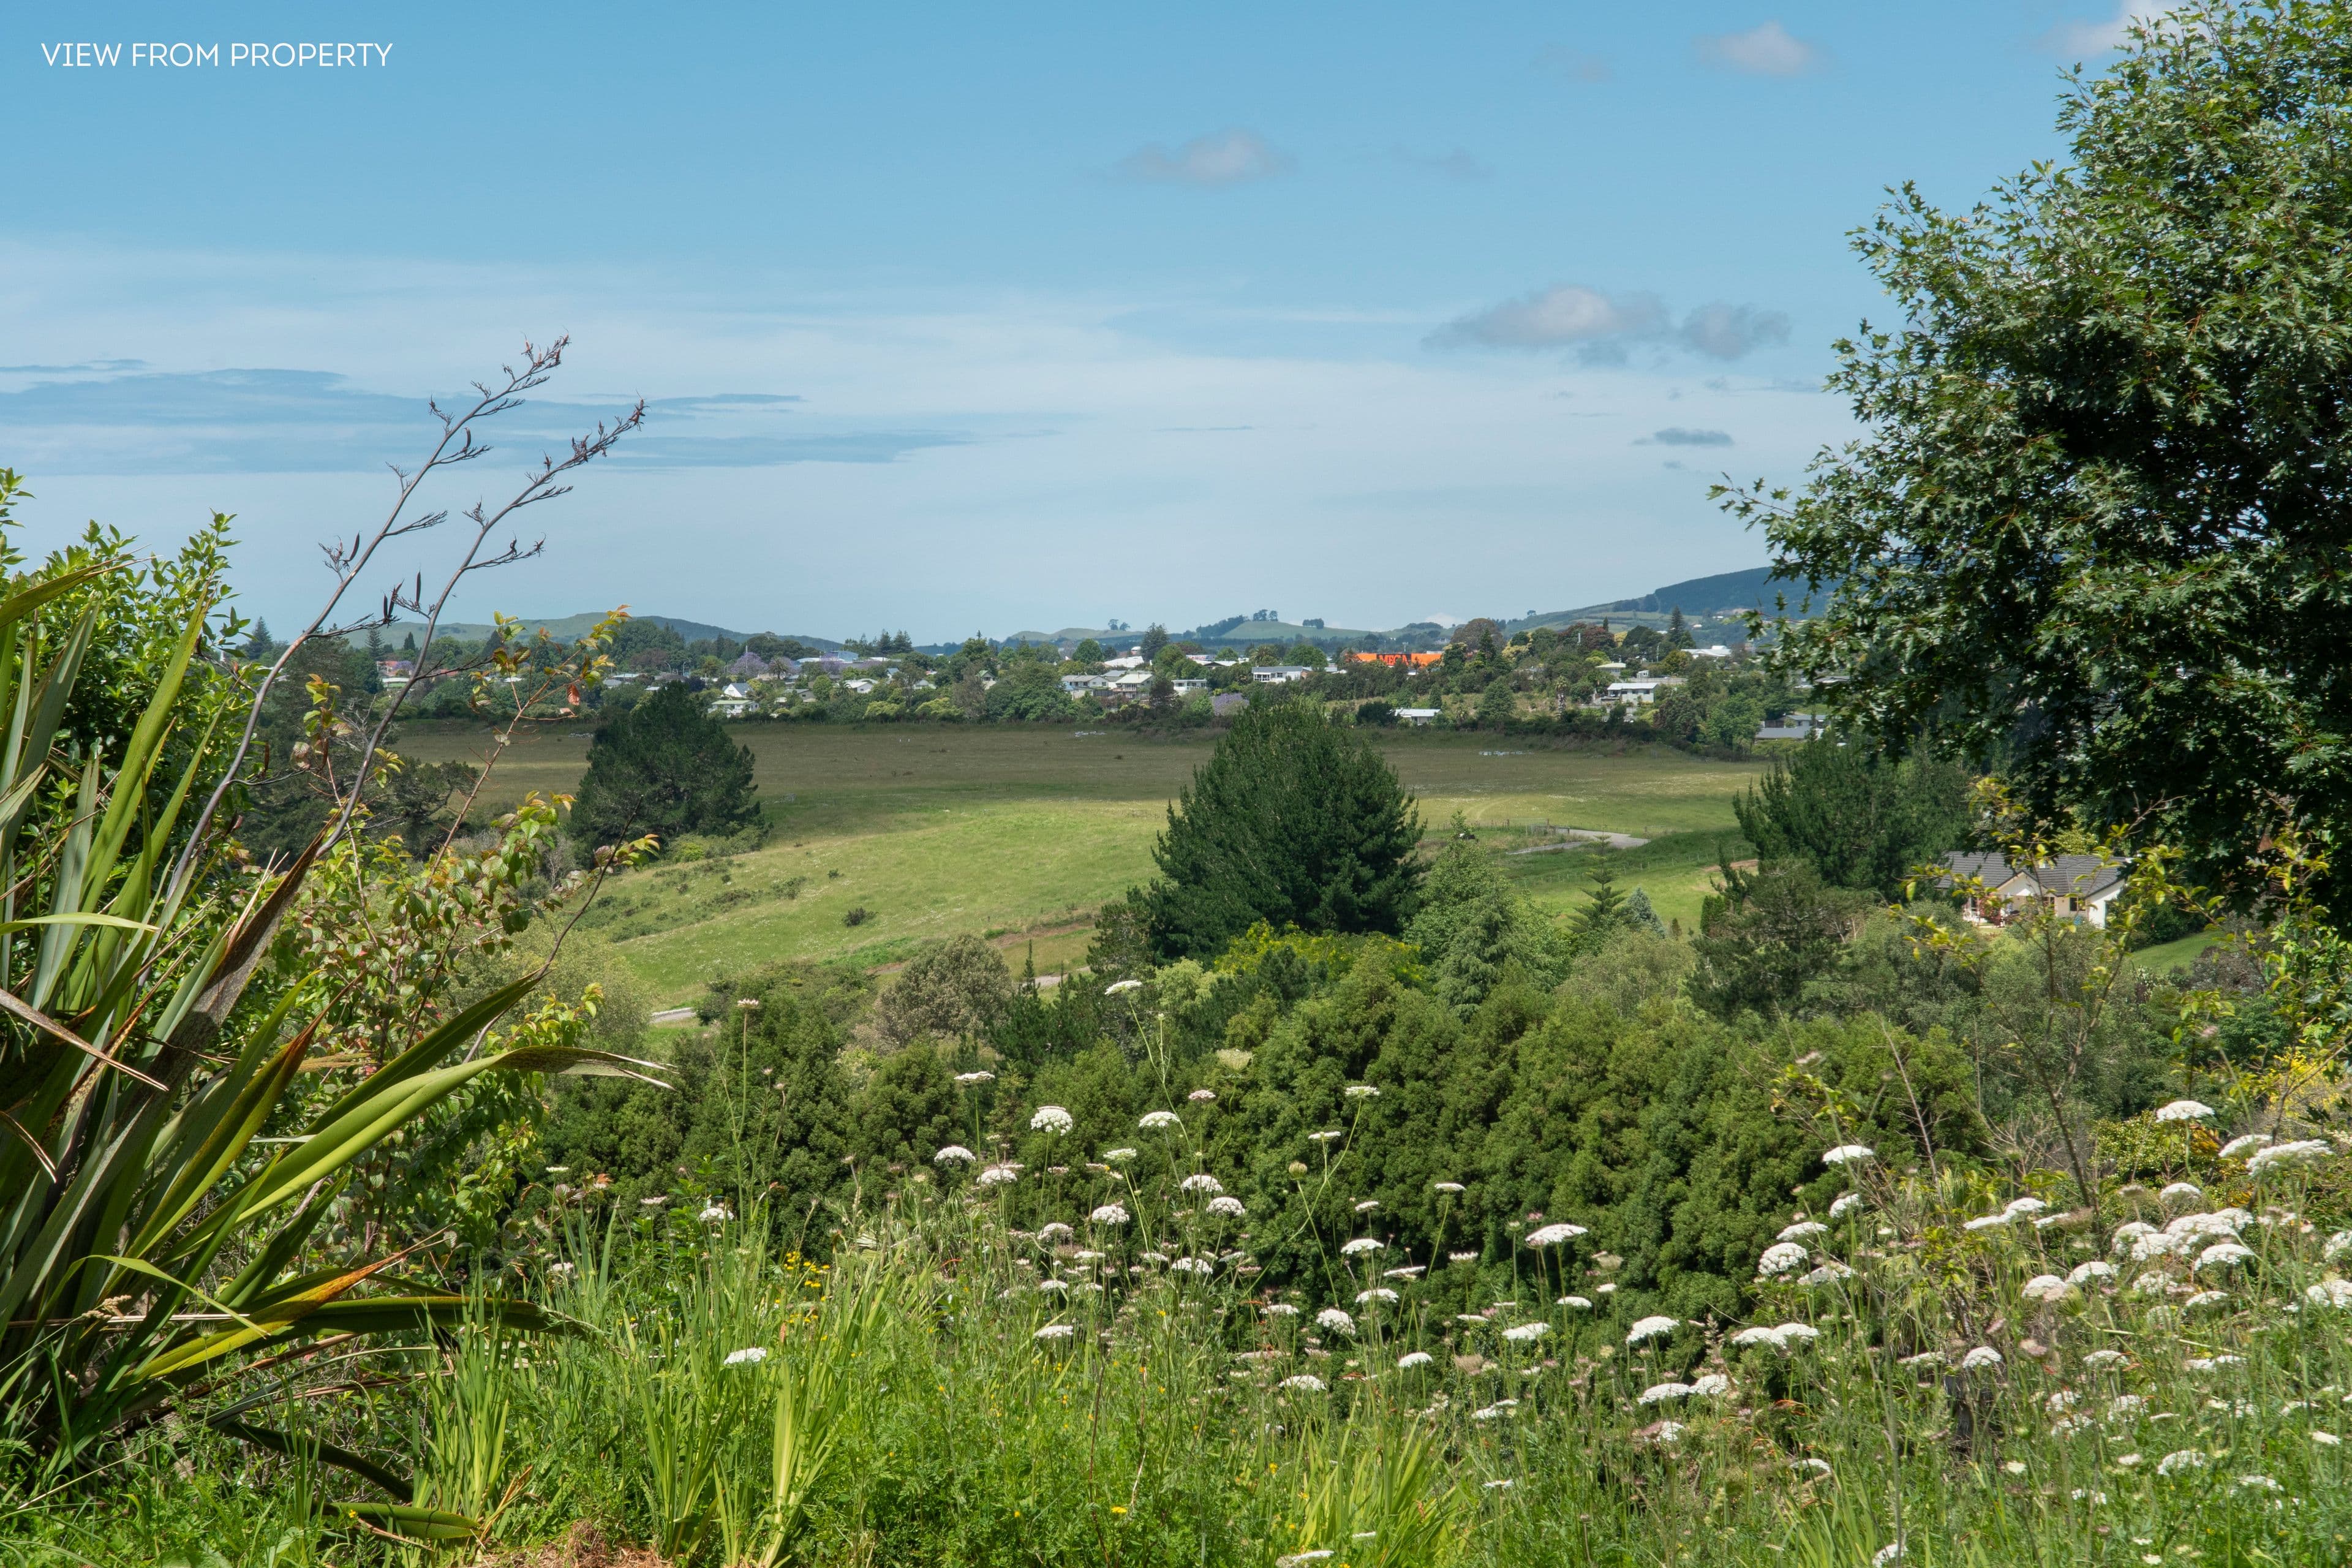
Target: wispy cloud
(1221, 158)
(1768, 50)
(1602, 328)
(1572, 63)
(309, 421)
(2080, 40)
(1460, 163)
(1676, 436)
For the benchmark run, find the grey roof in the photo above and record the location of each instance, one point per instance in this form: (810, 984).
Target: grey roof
(2072, 876)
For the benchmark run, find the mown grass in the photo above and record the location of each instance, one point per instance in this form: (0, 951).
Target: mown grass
(938, 830)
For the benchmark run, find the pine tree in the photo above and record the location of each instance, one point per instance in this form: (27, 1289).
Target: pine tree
(1639, 915)
(1293, 820)
(665, 767)
(258, 646)
(1677, 634)
(1604, 907)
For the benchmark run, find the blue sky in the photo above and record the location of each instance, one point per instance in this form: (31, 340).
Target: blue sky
(987, 317)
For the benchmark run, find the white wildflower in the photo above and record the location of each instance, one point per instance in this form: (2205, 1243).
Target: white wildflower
(1379, 1294)
(1818, 1466)
(2329, 1293)
(1153, 1121)
(2226, 1222)
(1803, 1229)
(749, 1355)
(1846, 1203)
(715, 1213)
(1281, 1310)
(1000, 1175)
(1411, 1359)
(1650, 1328)
(1201, 1181)
(1226, 1208)
(1779, 1258)
(1304, 1382)
(1055, 1231)
(1050, 1118)
(1849, 1155)
(1710, 1385)
(1109, 1214)
(2083, 1273)
(1407, 1271)
(2223, 1255)
(1666, 1432)
(968, 1078)
(2044, 1288)
(2181, 1193)
(1526, 1333)
(1659, 1392)
(1053, 1285)
(1983, 1356)
(2326, 1439)
(1462, 1257)
(2023, 1206)
(2302, 1152)
(1358, 1247)
(1324, 1137)
(2338, 1245)
(1194, 1265)
(2124, 1406)
(1500, 1407)
(2182, 1460)
(1890, 1553)
(954, 1154)
(1055, 1332)
(1361, 1092)
(1368, 1205)
(1760, 1335)
(2243, 1142)
(1301, 1559)
(1553, 1235)
(1797, 1333)
(1925, 1358)
(1576, 1303)
(2260, 1483)
(1829, 1273)
(2184, 1110)
(2104, 1358)
(1116, 986)
(2131, 1231)
(1335, 1320)
(1987, 1222)
(2204, 1298)
(2155, 1244)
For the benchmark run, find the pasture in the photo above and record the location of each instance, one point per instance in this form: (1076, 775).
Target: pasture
(1021, 834)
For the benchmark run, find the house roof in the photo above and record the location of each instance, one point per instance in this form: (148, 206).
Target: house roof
(2072, 876)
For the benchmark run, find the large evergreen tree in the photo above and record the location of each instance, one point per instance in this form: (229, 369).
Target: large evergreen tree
(667, 767)
(1293, 820)
(1853, 816)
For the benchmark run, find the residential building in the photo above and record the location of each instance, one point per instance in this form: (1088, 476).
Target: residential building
(1419, 715)
(1279, 674)
(2073, 886)
(1638, 693)
(1186, 688)
(734, 701)
(1792, 727)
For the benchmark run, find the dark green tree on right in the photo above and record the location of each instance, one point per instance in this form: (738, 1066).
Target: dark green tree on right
(1855, 816)
(1293, 820)
(665, 767)
(2094, 530)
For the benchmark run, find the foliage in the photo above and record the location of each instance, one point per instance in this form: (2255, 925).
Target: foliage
(1775, 934)
(665, 767)
(1472, 926)
(1293, 820)
(951, 990)
(2091, 535)
(1854, 816)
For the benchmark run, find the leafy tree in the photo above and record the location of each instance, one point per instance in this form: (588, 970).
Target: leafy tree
(1473, 925)
(952, 991)
(1155, 638)
(1293, 820)
(1854, 815)
(1498, 704)
(1088, 652)
(1775, 932)
(2093, 533)
(665, 767)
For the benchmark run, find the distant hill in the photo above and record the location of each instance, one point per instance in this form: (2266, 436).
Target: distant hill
(565, 628)
(1722, 597)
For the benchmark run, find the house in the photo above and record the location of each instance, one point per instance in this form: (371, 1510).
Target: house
(860, 685)
(1717, 651)
(1419, 715)
(1397, 660)
(2072, 887)
(1186, 688)
(1613, 669)
(1080, 685)
(1125, 661)
(734, 701)
(392, 672)
(1638, 693)
(1792, 727)
(1279, 674)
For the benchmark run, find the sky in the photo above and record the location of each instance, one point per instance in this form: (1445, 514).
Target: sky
(958, 318)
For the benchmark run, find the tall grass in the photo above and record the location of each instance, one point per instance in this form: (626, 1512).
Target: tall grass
(954, 1388)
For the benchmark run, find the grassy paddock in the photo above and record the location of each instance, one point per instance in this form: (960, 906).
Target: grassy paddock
(936, 830)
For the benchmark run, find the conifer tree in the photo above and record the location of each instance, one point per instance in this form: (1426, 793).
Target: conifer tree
(1294, 821)
(1604, 907)
(665, 767)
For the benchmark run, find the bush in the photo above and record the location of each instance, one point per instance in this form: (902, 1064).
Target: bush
(665, 767)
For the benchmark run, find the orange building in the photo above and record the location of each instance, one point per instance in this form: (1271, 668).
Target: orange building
(1407, 660)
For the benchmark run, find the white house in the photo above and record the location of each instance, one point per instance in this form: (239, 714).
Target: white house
(1792, 727)
(734, 701)
(2073, 886)
(1639, 693)
(1419, 715)
(1080, 685)
(1279, 674)
(1186, 688)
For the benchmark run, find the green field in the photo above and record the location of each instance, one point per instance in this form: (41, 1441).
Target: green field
(1021, 834)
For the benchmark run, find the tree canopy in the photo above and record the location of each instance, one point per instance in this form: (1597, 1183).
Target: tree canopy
(2094, 531)
(1855, 816)
(665, 767)
(1294, 821)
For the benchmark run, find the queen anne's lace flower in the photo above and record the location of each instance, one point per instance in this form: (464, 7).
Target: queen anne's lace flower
(1000, 1175)
(715, 1213)
(1983, 1356)
(1358, 1247)
(1118, 986)
(1450, 1187)
(1846, 1203)
(1226, 1208)
(2044, 1288)
(1377, 1294)
(1760, 1335)
(1574, 1303)
(1335, 1320)
(2106, 1357)
(1779, 1258)
(1650, 1329)
(954, 1154)
(2302, 1152)
(1987, 1222)
(2243, 1142)
(1849, 1155)
(2181, 1193)
(1109, 1214)
(2184, 1110)
(1361, 1092)
(1050, 1118)
(751, 1355)
(1153, 1121)
(2329, 1293)
(1710, 1385)
(1303, 1383)
(1802, 1229)
(1055, 1332)
(1659, 1392)
(1526, 1333)
(1553, 1235)
(2180, 1460)
(1411, 1359)
(1797, 1333)
(2223, 1255)
(1201, 1181)
(1281, 1310)
(969, 1078)
(2083, 1273)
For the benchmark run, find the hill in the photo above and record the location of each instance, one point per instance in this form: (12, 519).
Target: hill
(1722, 597)
(564, 628)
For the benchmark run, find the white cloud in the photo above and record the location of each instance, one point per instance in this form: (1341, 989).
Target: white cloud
(1224, 158)
(1769, 49)
(2080, 40)
(1600, 327)
(1461, 163)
